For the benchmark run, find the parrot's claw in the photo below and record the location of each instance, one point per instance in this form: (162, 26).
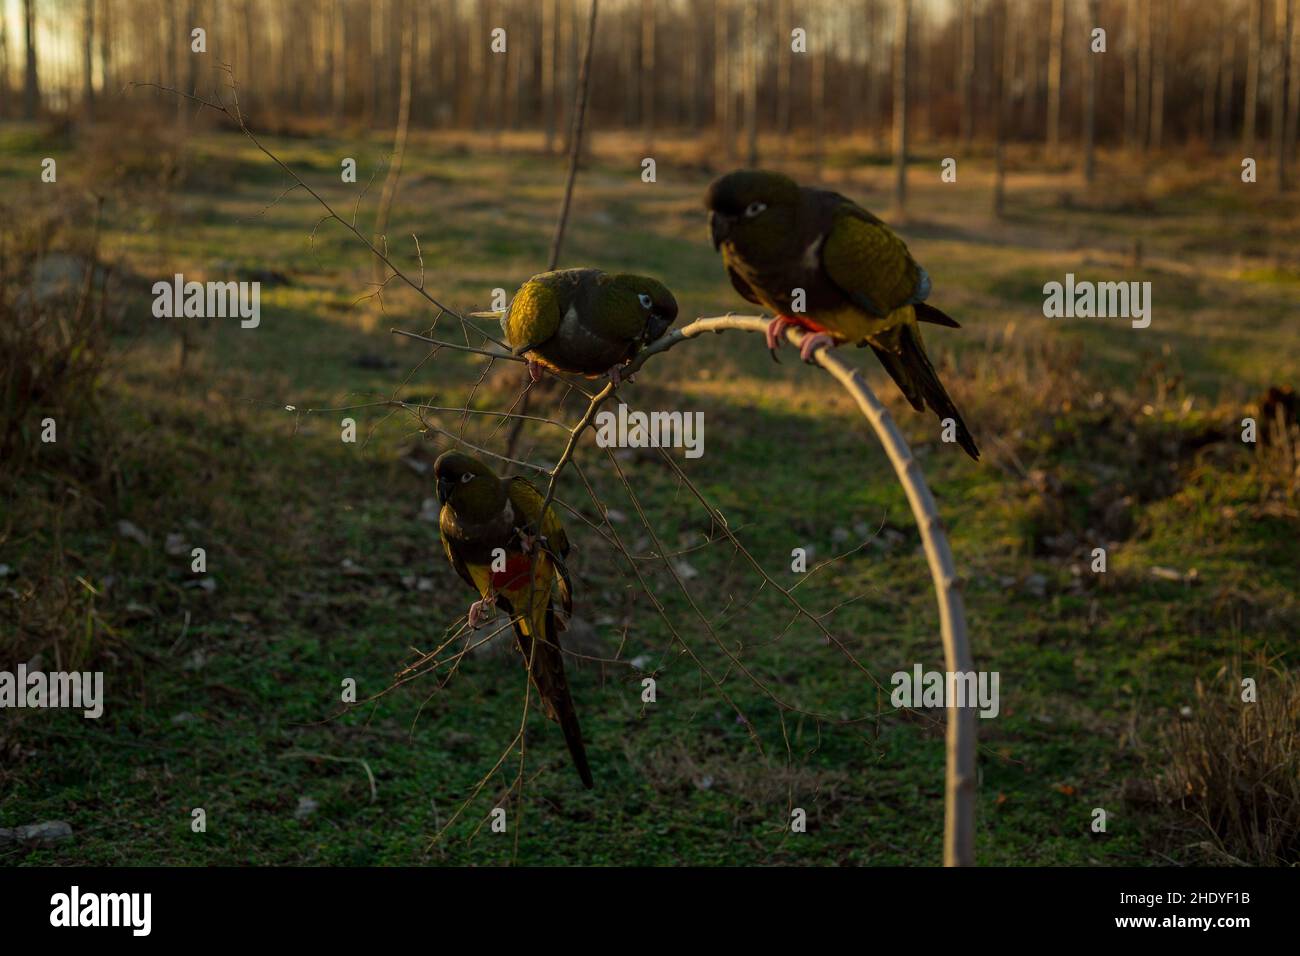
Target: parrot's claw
(526, 541)
(616, 376)
(534, 371)
(478, 611)
(775, 334)
(811, 343)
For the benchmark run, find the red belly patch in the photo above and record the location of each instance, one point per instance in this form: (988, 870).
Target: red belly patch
(805, 323)
(515, 575)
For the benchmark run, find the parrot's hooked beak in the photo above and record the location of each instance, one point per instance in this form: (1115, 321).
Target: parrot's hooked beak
(444, 490)
(719, 228)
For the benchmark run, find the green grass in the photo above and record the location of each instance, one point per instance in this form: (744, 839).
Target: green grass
(217, 712)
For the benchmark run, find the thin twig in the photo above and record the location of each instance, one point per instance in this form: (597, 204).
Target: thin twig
(575, 154)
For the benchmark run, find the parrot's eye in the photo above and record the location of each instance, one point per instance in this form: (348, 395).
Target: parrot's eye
(467, 477)
(754, 208)
(646, 301)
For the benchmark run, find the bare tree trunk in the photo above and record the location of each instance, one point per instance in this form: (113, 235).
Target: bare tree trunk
(852, 89)
(648, 72)
(721, 74)
(629, 32)
(567, 55)
(105, 49)
(751, 83)
(88, 56)
(785, 70)
(924, 71)
(1293, 98)
(1282, 37)
(1159, 50)
(549, 12)
(1254, 39)
(1209, 82)
(1000, 27)
(817, 92)
(31, 79)
(1144, 80)
(449, 67)
(245, 78)
(1227, 77)
(399, 148)
(4, 68)
(339, 60)
(966, 71)
(498, 67)
(1010, 64)
(869, 67)
(514, 84)
(1056, 55)
(1090, 101)
(1032, 78)
(690, 90)
(375, 42)
(1131, 45)
(192, 61)
(901, 17)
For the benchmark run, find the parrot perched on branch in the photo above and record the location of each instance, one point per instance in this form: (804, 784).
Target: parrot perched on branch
(496, 538)
(586, 321)
(780, 242)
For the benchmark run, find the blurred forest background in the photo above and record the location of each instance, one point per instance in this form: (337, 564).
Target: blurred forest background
(1176, 72)
(1121, 689)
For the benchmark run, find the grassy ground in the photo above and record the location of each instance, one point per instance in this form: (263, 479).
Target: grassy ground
(1095, 434)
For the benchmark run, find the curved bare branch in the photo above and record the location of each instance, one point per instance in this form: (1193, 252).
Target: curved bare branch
(959, 792)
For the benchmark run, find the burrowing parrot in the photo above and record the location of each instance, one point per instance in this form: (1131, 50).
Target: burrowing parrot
(586, 321)
(859, 283)
(497, 540)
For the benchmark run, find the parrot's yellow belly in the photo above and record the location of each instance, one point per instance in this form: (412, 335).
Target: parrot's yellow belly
(851, 324)
(513, 583)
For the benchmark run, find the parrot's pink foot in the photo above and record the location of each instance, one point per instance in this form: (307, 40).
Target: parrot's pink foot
(811, 343)
(535, 371)
(616, 375)
(526, 541)
(478, 611)
(775, 333)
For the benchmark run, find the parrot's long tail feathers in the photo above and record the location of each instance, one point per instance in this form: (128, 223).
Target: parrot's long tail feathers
(896, 367)
(547, 672)
(928, 313)
(925, 381)
(910, 368)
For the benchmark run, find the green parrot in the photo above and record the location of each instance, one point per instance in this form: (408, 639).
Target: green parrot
(497, 540)
(586, 321)
(859, 282)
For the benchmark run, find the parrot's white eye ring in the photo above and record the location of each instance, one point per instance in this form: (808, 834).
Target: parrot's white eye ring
(754, 208)
(646, 301)
(467, 477)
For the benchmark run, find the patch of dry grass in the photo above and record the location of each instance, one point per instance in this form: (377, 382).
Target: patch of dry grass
(1234, 766)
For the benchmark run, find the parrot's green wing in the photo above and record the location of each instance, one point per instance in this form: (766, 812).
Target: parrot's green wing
(611, 310)
(534, 315)
(527, 502)
(870, 264)
(741, 286)
(456, 562)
